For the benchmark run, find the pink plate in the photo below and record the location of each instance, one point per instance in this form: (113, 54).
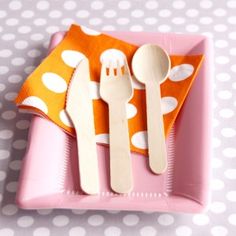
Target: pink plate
(49, 176)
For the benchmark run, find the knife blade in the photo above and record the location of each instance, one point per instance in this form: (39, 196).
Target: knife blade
(79, 108)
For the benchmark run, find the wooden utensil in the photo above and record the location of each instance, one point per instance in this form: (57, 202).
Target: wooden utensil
(79, 107)
(151, 66)
(116, 90)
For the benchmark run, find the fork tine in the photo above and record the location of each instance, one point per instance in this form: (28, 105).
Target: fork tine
(118, 69)
(126, 67)
(111, 69)
(103, 74)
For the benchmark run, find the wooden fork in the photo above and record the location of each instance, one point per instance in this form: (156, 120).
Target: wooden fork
(116, 90)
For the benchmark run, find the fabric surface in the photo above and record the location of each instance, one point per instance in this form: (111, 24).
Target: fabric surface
(45, 89)
(25, 30)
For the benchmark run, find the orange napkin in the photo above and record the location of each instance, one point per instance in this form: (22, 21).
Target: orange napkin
(44, 91)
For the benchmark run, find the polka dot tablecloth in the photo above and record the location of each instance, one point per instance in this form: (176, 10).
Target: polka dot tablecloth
(25, 30)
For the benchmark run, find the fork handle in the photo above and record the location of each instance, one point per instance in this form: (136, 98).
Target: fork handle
(156, 136)
(120, 158)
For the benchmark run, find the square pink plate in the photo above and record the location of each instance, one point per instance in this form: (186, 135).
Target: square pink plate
(49, 176)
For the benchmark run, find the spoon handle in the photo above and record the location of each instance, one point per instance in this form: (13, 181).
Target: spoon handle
(120, 158)
(156, 136)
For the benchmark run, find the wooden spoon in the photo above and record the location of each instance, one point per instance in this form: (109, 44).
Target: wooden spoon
(151, 66)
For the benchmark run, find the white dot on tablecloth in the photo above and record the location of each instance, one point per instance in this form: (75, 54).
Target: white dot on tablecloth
(44, 211)
(52, 29)
(232, 219)
(183, 231)
(102, 138)
(14, 79)
(124, 5)
(164, 13)
(136, 28)
(221, 43)
(9, 210)
(148, 231)
(2, 87)
(7, 232)
(42, 5)
(55, 14)
(131, 111)
(217, 184)
(35, 102)
(232, 35)
(15, 5)
(112, 231)
(231, 4)
(82, 14)
(219, 12)
(219, 231)
(228, 132)
(139, 139)
(205, 4)
(150, 20)
(223, 77)
(25, 221)
(12, 187)
(178, 4)
(41, 231)
(97, 5)
(40, 22)
(2, 14)
(192, 28)
(10, 96)
(15, 165)
(108, 28)
(4, 70)
(8, 37)
(77, 231)
(19, 144)
(65, 119)
(78, 211)
(168, 104)
(21, 44)
(224, 94)
(216, 163)
(54, 82)
(165, 219)
(4, 154)
(233, 68)
(123, 21)
(164, 28)
(5, 53)
(229, 152)
(18, 61)
(24, 29)
(110, 13)
(95, 21)
(70, 5)
(215, 122)
(220, 28)
(206, 20)
(8, 115)
(151, 5)
(27, 14)
(178, 20)
(61, 220)
(217, 207)
(12, 22)
(232, 20)
(226, 113)
(192, 13)
(96, 220)
(231, 196)
(2, 175)
(33, 53)
(201, 219)
(131, 219)
(6, 134)
(72, 58)
(230, 174)
(137, 13)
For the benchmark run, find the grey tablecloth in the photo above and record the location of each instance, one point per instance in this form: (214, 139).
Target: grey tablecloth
(25, 28)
